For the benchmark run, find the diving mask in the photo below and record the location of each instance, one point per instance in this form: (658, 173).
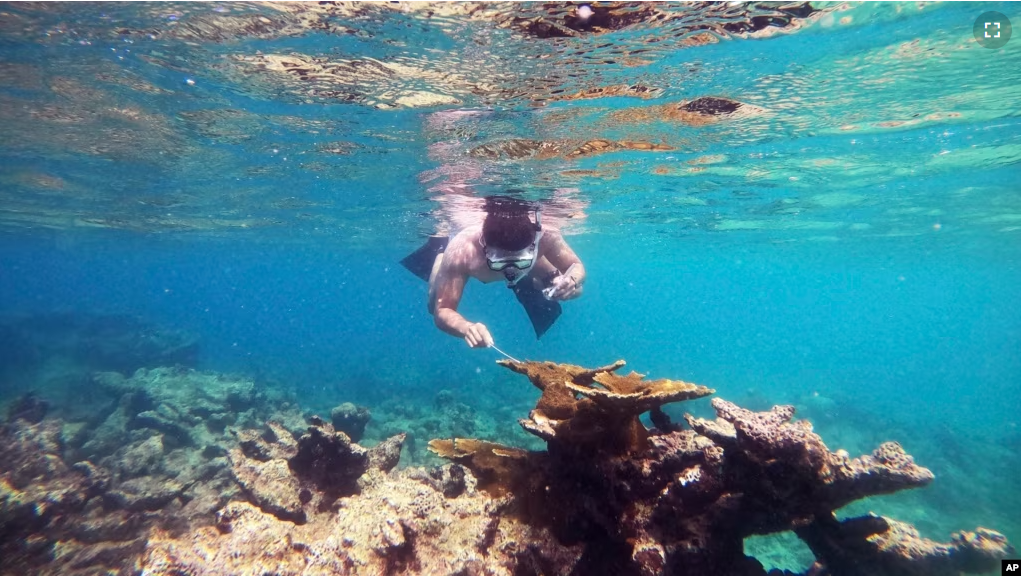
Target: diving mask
(514, 264)
(497, 264)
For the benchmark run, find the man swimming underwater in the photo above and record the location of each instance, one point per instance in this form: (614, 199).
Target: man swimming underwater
(536, 263)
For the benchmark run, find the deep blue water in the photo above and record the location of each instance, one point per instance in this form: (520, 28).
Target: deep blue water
(933, 331)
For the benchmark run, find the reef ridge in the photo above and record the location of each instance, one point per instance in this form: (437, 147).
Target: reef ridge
(201, 474)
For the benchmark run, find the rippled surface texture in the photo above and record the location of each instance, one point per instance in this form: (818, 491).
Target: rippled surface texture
(820, 121)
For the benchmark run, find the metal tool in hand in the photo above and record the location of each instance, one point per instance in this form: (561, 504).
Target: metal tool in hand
(548, 292)
(508, 356)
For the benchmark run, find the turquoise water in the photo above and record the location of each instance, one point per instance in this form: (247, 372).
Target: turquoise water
(849, 242)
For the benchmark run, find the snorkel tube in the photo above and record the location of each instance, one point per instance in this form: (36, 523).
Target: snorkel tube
(514, 278)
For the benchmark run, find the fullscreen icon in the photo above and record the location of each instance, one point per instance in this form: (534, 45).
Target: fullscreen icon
(992, 30)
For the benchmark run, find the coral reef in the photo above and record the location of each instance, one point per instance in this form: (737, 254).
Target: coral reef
(196, 473)
(323, 505)
(39, 491)
(82, 497)
(188, 408)
(669, 501)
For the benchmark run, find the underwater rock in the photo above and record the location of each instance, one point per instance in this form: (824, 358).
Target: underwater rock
(292, 479)
(154, 459)
(350, 420)
(143, 493)
(41, 497)
(387, 454)
(260, 466)
(329, 459)
(28, 407)
(35, 483)
(791, 464)
(189, 408)
(450, 480)
(407, 521)
(270, 486)
(141, 458)
(877, 546)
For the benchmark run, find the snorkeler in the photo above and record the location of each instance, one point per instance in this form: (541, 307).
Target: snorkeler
(536, 263)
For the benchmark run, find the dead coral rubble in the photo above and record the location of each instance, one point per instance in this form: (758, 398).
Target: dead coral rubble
(323, 505)
(82, 497)
(682, 501)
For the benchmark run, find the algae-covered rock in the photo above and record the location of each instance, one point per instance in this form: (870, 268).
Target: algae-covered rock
(142, 458)
(350, 420)
(143, 493)
(329, 458)
(270, 485)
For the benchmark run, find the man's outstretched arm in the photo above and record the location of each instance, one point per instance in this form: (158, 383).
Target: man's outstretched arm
(444, 297)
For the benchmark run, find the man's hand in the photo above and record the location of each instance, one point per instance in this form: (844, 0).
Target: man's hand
(478, 336)
(564, 287)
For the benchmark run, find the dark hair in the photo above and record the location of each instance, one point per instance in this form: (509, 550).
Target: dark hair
(507, 225)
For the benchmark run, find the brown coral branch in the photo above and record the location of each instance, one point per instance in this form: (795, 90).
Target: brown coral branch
(654, 395)
(498, 468)
(877, 546)
(605, 418)
(541, 374)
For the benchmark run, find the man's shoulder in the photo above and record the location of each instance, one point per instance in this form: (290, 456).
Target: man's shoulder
(551, 235)
(463, 249)
(466, 237)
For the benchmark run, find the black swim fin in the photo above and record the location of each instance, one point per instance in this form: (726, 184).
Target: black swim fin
(420, 262)
(542, 312)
